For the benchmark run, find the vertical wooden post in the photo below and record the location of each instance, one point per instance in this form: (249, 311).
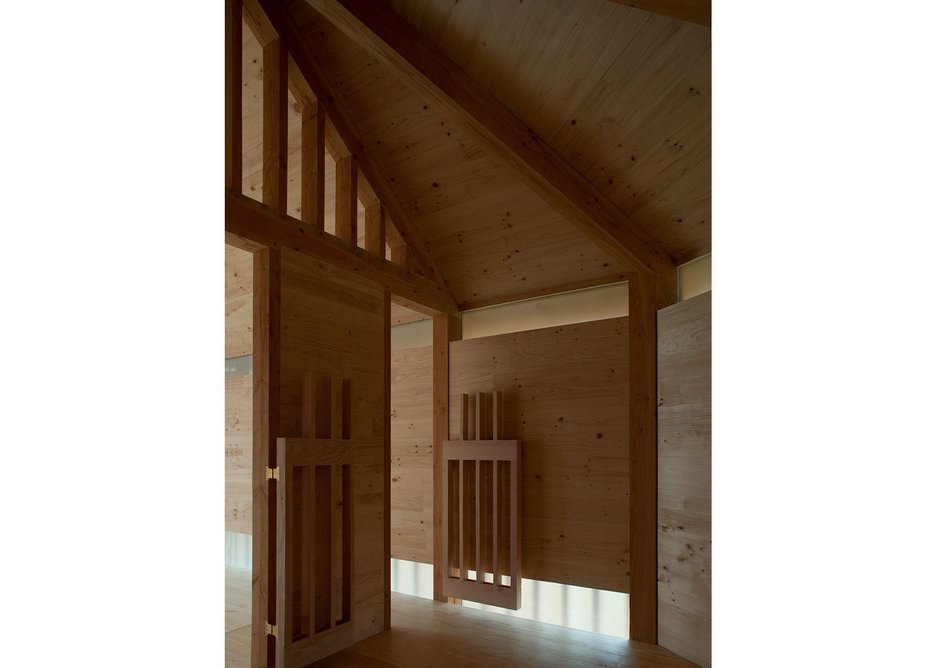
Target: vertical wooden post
(312, 206)
(375, 230)
(346, 199)
(642, 352)
(266, 412)
(387, 372)
(233, 75)
(267, 359)
(464, 418)
(309, 405)
(446, 329)
(275, 125)
(399, 255)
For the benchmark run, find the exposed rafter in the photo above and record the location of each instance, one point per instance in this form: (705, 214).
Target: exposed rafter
(251, 225)
(694, 11)
(423, 67)
(279, 19)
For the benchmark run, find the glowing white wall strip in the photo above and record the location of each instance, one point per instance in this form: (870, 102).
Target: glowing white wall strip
(594, 610)
(237, 549)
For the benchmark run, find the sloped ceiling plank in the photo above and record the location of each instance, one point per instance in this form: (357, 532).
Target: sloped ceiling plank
(422, 66)
(606, 86)
(696, 11)
(284, 25)
(465, 202)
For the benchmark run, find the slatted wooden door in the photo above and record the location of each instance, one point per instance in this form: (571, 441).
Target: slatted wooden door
(481, 507)
(315, 516)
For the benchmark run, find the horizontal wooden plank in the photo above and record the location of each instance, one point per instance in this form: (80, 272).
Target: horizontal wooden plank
(255, 223)
(483, 450)
(501, 596)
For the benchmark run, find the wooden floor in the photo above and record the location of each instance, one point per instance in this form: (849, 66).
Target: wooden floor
(427, 634)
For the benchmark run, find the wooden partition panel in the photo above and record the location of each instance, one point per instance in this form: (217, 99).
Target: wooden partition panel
(566, 399)
(412, 454)
(331, 321)
(684, 535)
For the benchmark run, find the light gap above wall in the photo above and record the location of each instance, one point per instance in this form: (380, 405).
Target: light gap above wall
(564, 308)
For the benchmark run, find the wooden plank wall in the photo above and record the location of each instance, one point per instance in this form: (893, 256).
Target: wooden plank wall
(684, 432)
(411, 442)
(333, 321)
(566, 399)
(238, 390)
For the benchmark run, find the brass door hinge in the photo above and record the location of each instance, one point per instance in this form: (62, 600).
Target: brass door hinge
(271, 629)
(273, 473)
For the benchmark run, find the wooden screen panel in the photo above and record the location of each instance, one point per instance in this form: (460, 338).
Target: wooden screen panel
(334, 322)
(315, 521)
(684, 492)
(481, 511)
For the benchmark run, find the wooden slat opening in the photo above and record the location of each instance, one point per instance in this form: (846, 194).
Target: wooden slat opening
(453, 529)
(323, 557)
(347, 544)
(233, 110)
(337, 543)
(375, 230)
(313, 166)
(299, 571)
(346, 408)
(275, 89)
(346, 199)
(399, 255)
(335, 388)
(323, 406)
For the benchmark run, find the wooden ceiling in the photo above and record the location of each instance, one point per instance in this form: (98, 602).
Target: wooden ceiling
(622, 94)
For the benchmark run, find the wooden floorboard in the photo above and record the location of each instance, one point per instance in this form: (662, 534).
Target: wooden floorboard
(428, 634)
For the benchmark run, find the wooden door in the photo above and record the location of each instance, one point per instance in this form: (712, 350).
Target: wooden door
(322, 541)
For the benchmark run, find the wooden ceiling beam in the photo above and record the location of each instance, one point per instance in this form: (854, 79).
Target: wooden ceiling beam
(337, 112)
(428, 71)
(251, 225)
(694, 11)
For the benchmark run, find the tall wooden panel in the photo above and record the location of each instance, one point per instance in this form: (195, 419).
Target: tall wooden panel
(333, 322)
(566, 399)
(411, 429)
(684, 535)
(239, 277)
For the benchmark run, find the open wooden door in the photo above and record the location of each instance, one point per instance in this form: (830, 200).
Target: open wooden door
(315, 515)
(481, 508)
(321, 578)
